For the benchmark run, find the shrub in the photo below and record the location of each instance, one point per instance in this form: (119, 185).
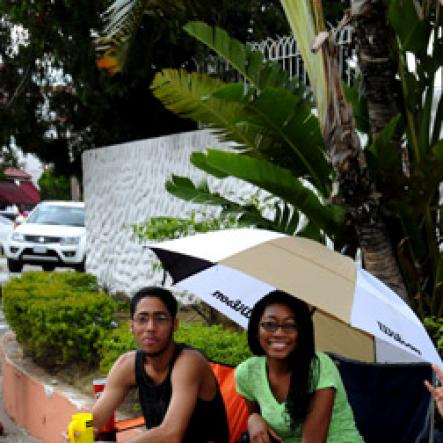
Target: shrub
(434, 326)
(117, 342)
(216, 343)
(58, 318)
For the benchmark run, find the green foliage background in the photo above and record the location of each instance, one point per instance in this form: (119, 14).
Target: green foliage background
(59, 318)
(215, 342)
(54, 187)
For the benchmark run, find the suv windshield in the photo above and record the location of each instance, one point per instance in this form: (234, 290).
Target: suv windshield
(58, 215)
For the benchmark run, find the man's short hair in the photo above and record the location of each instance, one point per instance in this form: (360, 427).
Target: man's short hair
(154, 291)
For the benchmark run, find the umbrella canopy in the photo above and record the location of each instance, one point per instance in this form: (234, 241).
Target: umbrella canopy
(355, 314)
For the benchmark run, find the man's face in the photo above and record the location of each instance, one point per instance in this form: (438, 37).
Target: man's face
(152, 326)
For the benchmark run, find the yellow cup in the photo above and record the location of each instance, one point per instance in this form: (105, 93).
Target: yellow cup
(81, 430)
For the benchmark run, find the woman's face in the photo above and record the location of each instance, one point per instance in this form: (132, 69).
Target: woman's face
(277, 331)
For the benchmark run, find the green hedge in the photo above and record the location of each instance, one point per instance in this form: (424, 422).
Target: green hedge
(216, 342)
(59, 318)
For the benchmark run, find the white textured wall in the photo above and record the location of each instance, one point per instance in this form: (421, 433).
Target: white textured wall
(123, 185)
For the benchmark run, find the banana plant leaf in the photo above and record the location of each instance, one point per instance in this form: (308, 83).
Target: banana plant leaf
(279, 182)
(249, 63)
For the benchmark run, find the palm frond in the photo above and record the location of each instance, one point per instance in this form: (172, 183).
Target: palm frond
(121, 22)
(190, 95)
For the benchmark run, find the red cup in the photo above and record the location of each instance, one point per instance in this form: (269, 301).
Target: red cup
(108, 432)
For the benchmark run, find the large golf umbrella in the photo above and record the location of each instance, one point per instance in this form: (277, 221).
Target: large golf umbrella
(354, 314)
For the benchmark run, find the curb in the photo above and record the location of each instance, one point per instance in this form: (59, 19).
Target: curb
(37, 402)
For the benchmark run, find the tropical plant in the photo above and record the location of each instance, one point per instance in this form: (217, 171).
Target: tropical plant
(376, 192)
(381, 197)
(53, 186)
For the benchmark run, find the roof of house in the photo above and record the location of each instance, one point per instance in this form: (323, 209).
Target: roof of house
(16, 173)
(25, 193)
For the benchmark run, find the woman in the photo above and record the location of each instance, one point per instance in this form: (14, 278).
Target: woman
(293, 393)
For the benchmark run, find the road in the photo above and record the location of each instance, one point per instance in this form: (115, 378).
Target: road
(12, 432)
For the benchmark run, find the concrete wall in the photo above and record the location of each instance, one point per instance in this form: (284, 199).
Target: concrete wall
(125, 184)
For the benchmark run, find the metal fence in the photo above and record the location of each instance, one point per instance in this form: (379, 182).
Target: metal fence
(285, 52)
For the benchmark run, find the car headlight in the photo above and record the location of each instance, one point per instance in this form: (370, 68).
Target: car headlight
(70, 241)
(16, 236)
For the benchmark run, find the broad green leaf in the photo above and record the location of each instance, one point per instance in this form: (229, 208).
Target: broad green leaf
(291, 126)
(198, 159)
(359, 105)
(293, 222)
(437, 150)
(438, 121)
(280, 182)
(311, 231)
(249, 63)
(411, 30)
(385, 153)
(425, 121)
(184, 188)
(287, 220)
(411, 91)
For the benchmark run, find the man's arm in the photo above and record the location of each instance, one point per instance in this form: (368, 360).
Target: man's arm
(120, 379)
(189, 371)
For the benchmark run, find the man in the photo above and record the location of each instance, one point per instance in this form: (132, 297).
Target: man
(178, 392)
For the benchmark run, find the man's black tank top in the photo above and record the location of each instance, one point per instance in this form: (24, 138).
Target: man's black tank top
(207, 423)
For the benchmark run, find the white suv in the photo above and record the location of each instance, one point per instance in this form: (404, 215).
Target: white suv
(53, 236)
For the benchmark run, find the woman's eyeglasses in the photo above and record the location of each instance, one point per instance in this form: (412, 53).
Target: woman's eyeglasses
(272, 326)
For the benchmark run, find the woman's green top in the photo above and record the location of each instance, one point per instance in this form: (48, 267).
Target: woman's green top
(253, 384)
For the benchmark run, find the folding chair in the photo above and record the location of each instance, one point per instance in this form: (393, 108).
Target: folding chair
(389, 401)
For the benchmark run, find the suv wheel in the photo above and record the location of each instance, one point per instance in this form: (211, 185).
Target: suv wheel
(48, 267)
(14, 265)
(81, 266)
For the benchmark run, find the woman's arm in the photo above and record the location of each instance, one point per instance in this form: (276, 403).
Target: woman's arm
(259, 431)
(316, 425)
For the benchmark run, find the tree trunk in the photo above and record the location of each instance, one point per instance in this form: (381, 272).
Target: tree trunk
(355, 188)
(362, 203)
(376, 47)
